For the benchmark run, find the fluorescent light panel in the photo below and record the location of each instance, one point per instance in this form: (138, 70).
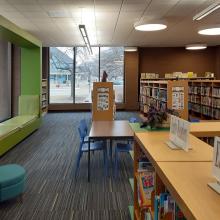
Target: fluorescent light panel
(206, 11)
(85, 37)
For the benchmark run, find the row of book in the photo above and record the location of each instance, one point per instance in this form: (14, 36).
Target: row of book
(205, 110)
(216, 92)
(154, 92)
(200, 90)
(166, 207)
(205, 100)
(205, 91)
(194, 98)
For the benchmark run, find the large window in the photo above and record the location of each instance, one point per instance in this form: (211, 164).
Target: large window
(73, 71)
(112, 61)
(61, 74)
(87, 72)
(5, 80)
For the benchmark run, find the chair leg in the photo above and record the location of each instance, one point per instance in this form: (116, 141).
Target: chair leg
(78, 162)
(110, 151)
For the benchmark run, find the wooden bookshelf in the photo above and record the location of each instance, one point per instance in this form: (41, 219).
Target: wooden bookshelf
(204, 99)
(152, 146)
(163, 94)
(201, 97)
(44, 97)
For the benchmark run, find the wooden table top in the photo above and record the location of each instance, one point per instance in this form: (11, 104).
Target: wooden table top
(187, 182)
(205, 129)
(153, 144)
(111, 129)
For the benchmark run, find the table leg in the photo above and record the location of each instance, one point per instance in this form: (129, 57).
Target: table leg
(89, 161)
(111, 150)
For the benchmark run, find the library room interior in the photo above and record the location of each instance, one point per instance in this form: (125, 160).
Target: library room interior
(109, 110)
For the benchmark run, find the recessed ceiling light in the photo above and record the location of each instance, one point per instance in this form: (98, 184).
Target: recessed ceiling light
(150, 27)
(210, 31)
(130, 49)
(196, 46)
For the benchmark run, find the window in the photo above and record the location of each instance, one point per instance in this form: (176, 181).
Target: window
(72, 74)
(61, 74)
(5, 80)
(87, 72)
(112, 61)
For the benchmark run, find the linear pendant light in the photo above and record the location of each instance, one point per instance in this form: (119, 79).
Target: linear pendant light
(213, 7)
(85, 37)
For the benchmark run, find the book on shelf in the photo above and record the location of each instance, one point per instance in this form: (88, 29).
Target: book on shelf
(165, 206)
(147, 216)
(216, 92)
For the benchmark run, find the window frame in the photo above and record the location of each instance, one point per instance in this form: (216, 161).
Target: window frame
(74, 75)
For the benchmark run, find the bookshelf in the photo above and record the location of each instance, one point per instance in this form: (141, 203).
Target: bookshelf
(44, 97)
(201, 98)
(172, 94)
(204, 99)
(150, 146)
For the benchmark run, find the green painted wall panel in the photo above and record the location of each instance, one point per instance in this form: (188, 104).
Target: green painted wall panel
(31, 71)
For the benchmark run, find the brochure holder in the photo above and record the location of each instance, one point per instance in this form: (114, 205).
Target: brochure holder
(103, 101)
(179, 134)
(216, 166)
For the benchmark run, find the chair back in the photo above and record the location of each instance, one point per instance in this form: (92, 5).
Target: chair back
(133, 120)
(84, 125)
(82, 130)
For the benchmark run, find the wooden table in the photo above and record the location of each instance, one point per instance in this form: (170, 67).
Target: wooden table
(108, 130)
(154, 146)
(205, 129)
(187, 183)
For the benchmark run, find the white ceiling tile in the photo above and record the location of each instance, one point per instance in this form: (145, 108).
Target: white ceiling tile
(107, 24)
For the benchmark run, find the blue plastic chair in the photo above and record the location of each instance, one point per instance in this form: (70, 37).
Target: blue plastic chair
(94, 146)
(123, 147)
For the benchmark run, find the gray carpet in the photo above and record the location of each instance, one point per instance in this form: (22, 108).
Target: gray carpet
(48, 156)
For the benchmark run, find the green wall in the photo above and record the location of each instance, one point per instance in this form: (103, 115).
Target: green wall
(31, 71)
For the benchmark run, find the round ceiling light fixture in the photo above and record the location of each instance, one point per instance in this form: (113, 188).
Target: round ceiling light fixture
(196, 46)
(149, 26)
(214, 30)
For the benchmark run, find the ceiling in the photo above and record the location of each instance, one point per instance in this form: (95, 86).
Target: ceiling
(55, 22)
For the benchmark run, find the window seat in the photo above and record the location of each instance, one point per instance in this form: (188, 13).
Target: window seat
(14, 130)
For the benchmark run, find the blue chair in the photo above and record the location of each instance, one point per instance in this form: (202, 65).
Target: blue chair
(133, 120)
(94, 146)
(123, 147)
